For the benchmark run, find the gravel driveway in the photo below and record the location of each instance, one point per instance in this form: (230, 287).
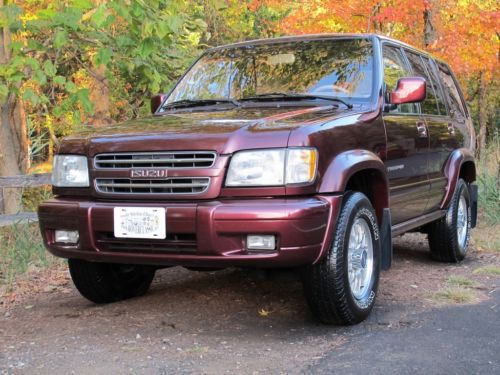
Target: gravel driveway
(242, 321)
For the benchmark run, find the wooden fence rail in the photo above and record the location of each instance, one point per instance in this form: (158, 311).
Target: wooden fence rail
(25, 181)
(31, 180)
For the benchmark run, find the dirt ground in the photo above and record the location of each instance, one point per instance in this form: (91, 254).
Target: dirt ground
(242, 321)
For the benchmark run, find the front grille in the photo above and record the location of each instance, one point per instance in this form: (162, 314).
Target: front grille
(174, 185)
(174, 243)
(171, 160)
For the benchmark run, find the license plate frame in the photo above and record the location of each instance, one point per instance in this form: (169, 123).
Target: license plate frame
(140, 222)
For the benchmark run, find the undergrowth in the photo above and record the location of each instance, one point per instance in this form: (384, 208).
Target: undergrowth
(21, 247)
(488, 180)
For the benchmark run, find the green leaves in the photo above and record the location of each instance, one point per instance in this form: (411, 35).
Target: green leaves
(30, 96)
(146, 47)
(83, 97)
(103, 56)
(4, 93)
(49, 68)
(138, 46)
(99, 16)
(60, 38)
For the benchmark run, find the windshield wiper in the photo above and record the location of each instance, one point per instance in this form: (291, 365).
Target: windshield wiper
(185, 103)
(292, 96)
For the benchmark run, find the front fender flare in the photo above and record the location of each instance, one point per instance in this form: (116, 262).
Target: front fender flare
(348, 163)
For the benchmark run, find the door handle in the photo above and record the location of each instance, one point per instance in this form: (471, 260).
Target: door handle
(422, 129)
(451, 128)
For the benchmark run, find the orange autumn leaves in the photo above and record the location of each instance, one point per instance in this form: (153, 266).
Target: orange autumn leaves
(466, 31)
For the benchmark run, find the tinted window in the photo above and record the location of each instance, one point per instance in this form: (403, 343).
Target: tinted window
(394, 69)
(429, 105)
(435, 82)
(451, 91)
(338, 68)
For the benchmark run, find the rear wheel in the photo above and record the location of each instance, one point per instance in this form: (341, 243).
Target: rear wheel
(449, 236)
(342, 287)
(109, 282)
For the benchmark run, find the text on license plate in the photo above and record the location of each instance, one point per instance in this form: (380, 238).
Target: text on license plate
(140, 222)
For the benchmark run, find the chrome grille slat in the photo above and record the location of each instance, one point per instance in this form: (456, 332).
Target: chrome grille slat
(172, 185)
(164, 159)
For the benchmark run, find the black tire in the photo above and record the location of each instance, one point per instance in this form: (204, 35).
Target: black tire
(444, 240)
(326, 284)
(108, 282)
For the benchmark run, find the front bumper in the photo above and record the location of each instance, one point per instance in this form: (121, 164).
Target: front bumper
(199, 234)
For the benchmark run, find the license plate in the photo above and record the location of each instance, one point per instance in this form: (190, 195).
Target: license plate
(140, 222)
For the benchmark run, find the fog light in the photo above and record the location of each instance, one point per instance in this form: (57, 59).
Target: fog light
(261, 242)
(67, 236)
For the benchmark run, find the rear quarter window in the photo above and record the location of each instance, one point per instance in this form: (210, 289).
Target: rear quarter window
(451, 92)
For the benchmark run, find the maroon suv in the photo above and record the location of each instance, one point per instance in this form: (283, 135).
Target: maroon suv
(309, 152)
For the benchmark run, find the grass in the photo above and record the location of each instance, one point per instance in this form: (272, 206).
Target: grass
(21, 247)
(453, 294)
(488, 180)
(486, 237)
(490, 270)
(460, 281)
(458, 290)
(197, 350)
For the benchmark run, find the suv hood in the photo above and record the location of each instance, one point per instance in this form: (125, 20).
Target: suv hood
(220, 131)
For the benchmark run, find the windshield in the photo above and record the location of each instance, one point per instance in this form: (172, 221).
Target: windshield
(341, 68)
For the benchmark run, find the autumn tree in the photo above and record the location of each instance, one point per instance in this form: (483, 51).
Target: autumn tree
(464, 33)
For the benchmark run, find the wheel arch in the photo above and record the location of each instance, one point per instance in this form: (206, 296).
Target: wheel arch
(460, 164)
(362, 171)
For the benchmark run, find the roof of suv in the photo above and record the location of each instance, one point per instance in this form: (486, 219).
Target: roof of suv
(309, 37)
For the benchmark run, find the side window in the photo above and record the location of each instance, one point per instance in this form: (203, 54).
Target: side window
(394, 69)
(451, 91)
(435, 82)
(429, 105)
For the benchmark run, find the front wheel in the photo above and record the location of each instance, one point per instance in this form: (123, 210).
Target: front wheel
(109, 282)
(342, 287)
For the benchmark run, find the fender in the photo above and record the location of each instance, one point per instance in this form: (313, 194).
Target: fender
(452, 171)
(346, 164)
(334, 181)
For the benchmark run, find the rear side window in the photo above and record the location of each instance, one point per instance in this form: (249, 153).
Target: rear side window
(394, 69)
(451, 91)
(430, 104)
(435, 83)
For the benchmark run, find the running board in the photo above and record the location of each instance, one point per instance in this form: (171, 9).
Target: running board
(406, 226)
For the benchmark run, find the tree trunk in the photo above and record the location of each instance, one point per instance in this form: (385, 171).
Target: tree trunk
(429, 29)
(13, 143)
(99, 96)
(483, 115)
(11, 198)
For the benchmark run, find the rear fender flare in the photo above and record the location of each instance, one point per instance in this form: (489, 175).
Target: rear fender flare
(452, 172)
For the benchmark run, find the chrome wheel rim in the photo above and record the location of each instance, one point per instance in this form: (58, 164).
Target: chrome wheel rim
(462, 221)
(360, 259)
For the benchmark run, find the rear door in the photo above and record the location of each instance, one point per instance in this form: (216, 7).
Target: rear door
(407, 145)
(440, 127)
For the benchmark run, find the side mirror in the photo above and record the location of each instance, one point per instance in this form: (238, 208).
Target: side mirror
(408, 90)
(156, 101)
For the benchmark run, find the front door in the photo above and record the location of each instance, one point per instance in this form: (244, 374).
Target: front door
(407, 146)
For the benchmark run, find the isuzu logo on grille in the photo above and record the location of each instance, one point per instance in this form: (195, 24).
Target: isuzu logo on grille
(148, 173)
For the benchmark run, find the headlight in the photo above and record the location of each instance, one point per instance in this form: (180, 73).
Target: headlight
(70, 171)
(273, 167)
